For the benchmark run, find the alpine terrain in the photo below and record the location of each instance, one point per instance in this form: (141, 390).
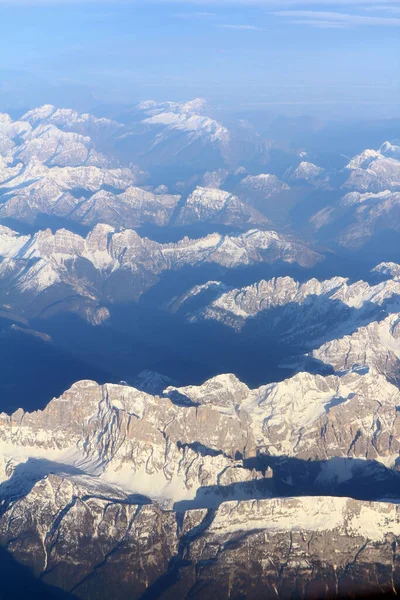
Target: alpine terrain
(200, 348)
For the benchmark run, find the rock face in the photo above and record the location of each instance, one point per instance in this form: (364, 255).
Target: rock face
(87, 487)
(150, 445)
(252, 548)
(115, 266)
(297, 313)
(185, 443)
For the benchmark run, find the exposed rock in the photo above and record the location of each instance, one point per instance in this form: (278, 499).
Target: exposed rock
(72, 476)
(303, 314)
(185, 444)
(115, 266)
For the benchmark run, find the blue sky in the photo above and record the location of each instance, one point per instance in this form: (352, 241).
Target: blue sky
(338, 57)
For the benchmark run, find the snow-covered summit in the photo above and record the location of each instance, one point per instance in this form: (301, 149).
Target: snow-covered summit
(375, 170)
(66, 118)
(364, 159)
(198, 105)
(298, 316)
(35, 263)
(307, 171)
(212, 204)
(266, 183)
(185, 116)
(389, 269)
(167, 449)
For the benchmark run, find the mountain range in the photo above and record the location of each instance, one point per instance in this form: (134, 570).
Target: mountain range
(199, 332)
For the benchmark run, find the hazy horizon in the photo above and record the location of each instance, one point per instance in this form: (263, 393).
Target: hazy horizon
(328, 59)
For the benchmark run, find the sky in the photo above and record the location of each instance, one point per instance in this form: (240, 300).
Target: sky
(333, 58)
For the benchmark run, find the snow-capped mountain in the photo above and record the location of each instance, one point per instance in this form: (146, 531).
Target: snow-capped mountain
(265, 184)
(375, 171)
(48, 168)
(300, 313)
(169, 446)
(29, 139)
(185, 116)
(85, 484)
(152, 382)
(89, 195)
(68, 119)
(114, 266)
(358, 218)
(74, 193)
(183, 135)
(375, 345)
(264, 461)
(268, 194)
(307, 172)
(368, 206)
(217, 206)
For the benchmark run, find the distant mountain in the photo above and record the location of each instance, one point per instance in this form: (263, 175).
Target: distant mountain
(268, 194)
(186, 116)
(375, 171)
(68, 119)
(219, 207)
(364, 214)
(182, 135)
(309, 173)
(51, 169)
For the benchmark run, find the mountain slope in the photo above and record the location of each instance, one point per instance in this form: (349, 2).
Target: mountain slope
(108, 266)
(84, 485)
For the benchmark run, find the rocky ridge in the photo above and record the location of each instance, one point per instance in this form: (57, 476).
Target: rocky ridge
(190, 442)
(110, 265)
(296, 311)
(85, 483)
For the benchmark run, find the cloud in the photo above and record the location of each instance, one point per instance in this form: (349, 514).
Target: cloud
(227, 3)
(56, 2)
(380, 6)
(335, 19)
(321, 24)
(324, 103)
(240, 27)
(278, 3)
(195, 15)
(383, 8)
